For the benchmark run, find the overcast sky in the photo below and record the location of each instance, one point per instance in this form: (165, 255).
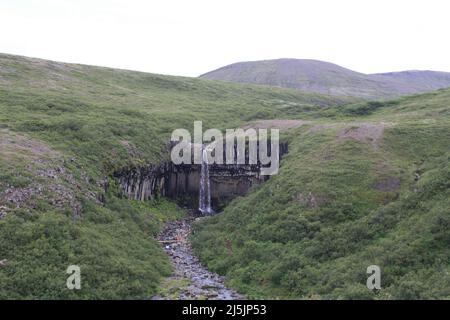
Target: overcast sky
(191, 37)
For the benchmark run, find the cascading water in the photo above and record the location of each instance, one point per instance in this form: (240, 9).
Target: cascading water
(205, 187)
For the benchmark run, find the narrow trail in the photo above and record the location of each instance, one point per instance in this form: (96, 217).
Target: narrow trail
(190, 280)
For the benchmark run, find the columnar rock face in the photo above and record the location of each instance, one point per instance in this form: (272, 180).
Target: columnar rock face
(182, 182)
(142, 183)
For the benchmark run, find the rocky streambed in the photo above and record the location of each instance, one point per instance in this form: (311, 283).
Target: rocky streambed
(190, 279)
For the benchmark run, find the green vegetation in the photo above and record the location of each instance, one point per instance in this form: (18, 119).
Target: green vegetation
(172, 287)
(63, 128)
(110, 118)
(355, 192)
(363, 183)
(113, 246)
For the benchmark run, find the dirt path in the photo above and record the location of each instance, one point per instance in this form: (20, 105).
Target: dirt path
(190, 280)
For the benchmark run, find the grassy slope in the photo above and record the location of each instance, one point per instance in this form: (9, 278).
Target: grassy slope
(310, 231)
(85, 122)
(345, 199)
(87, 111)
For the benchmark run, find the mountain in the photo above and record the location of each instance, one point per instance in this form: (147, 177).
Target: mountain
(325, 77)
(421, 80)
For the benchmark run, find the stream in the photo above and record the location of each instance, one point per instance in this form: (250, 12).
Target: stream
(190, 279)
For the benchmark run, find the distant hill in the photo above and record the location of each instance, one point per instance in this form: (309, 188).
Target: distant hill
(325, 77)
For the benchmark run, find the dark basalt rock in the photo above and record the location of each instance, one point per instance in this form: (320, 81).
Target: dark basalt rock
(181, 182)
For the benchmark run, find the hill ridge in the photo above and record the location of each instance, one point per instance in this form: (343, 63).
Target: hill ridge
(329, 78)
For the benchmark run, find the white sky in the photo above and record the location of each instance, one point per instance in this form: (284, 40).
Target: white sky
(190, 37)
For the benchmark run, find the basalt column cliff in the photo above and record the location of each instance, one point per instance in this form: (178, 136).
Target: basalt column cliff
(182, 182)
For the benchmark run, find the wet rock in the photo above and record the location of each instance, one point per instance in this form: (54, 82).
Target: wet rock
(203, 284)
(182, 181)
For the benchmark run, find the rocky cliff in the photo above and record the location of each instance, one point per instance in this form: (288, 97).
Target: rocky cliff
(181, 182)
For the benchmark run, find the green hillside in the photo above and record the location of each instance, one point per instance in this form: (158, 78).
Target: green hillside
(64, 129)
(367, 184)
(363, 183)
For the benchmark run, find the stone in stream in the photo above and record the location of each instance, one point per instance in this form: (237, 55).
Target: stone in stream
(202, 283)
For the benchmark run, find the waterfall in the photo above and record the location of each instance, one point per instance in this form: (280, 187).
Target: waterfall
(205, 187)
